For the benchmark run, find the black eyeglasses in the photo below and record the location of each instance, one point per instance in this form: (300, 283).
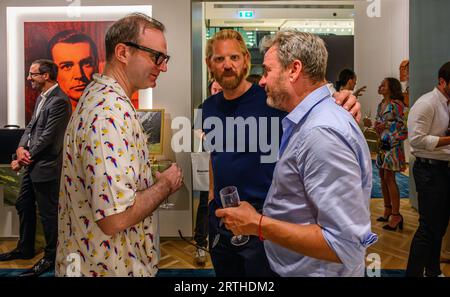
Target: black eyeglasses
(159, 57)
(34, 73)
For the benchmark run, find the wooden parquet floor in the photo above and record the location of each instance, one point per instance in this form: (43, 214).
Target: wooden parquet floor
(392, 247)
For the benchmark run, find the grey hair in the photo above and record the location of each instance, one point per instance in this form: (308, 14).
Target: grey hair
(295, 45)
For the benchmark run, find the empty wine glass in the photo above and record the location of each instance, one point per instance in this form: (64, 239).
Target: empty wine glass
(162, 166)
(367, 121)
(230, 198)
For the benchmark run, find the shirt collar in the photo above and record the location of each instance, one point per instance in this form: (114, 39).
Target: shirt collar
(299, 112)
(46, 93)
(113, 84)
(441, 96)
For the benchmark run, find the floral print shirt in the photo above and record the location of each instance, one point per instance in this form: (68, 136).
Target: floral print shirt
(105, 163)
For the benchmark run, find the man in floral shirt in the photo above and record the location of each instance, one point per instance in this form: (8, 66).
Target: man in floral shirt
(107, 195)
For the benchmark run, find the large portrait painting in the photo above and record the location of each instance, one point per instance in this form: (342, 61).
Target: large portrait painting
(72, 36)
(78, 50)
(152, 121)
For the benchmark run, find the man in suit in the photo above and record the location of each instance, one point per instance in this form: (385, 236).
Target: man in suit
(40, 153)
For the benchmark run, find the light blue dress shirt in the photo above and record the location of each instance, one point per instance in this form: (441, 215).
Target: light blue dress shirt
(324, 177)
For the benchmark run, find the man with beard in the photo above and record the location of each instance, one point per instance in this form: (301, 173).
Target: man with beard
(316, 215)
(428, 125)
(40, 152)
(228, 61)
(76, 56)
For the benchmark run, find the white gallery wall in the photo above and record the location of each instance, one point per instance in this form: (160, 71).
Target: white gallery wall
(172, 93)
(381, 44)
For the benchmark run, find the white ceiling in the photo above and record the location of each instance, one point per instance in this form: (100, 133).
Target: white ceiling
(273, 15)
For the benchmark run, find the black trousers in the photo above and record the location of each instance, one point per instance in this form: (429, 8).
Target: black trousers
(248, 260)
(201, 221)
(45, 195)
(433, 188)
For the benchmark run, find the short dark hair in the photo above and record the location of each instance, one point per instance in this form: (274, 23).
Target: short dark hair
(254, 78)
(344, 76)
(47, 66)
(444, 72)
(128, 29)
(72, 36)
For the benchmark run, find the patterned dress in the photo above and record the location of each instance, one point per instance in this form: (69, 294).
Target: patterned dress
(391, 128)
(105, 163)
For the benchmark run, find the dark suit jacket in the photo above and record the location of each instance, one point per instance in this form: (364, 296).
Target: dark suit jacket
(46, 134)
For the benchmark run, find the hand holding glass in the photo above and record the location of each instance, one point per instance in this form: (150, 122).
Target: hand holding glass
(230, 198)
(162, 166)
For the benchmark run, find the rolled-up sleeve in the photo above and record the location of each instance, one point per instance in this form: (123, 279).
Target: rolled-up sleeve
(419, 126)
(333, 181)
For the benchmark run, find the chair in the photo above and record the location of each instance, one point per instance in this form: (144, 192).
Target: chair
(372, 139)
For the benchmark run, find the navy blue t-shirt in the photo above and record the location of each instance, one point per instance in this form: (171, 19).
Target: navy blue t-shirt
(242, 166)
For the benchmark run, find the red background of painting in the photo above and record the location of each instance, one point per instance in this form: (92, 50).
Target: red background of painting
(36, 38)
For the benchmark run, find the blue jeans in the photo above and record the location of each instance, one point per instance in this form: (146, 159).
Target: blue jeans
(231, 261)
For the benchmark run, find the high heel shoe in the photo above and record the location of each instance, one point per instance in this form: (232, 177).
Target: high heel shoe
(399, 224)
(383, 218)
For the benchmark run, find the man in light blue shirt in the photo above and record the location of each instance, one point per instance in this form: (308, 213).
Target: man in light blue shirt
(316, 215)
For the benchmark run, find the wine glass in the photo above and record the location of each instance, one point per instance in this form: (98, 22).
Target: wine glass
(230, 198)
(162, 166)
(367, 121)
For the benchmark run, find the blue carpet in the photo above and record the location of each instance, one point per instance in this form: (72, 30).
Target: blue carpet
(189, 273)
(402, 182)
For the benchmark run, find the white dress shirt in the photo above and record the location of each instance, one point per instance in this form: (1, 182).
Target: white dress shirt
(428, 120)
(44, 98)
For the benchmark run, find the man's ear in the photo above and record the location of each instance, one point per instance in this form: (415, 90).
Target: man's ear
(122, 53)
(295, 70)
(208, 63)
(46, 76)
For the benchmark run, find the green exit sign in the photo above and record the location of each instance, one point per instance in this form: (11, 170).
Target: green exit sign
(246, 14)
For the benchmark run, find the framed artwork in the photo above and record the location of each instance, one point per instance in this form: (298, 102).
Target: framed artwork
(152, 121)
(73, 37)
(77, 48)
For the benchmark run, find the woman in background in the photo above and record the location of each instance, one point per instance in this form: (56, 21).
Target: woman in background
(391, 129)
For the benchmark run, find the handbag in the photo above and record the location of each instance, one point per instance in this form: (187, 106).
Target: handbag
(200, 170)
